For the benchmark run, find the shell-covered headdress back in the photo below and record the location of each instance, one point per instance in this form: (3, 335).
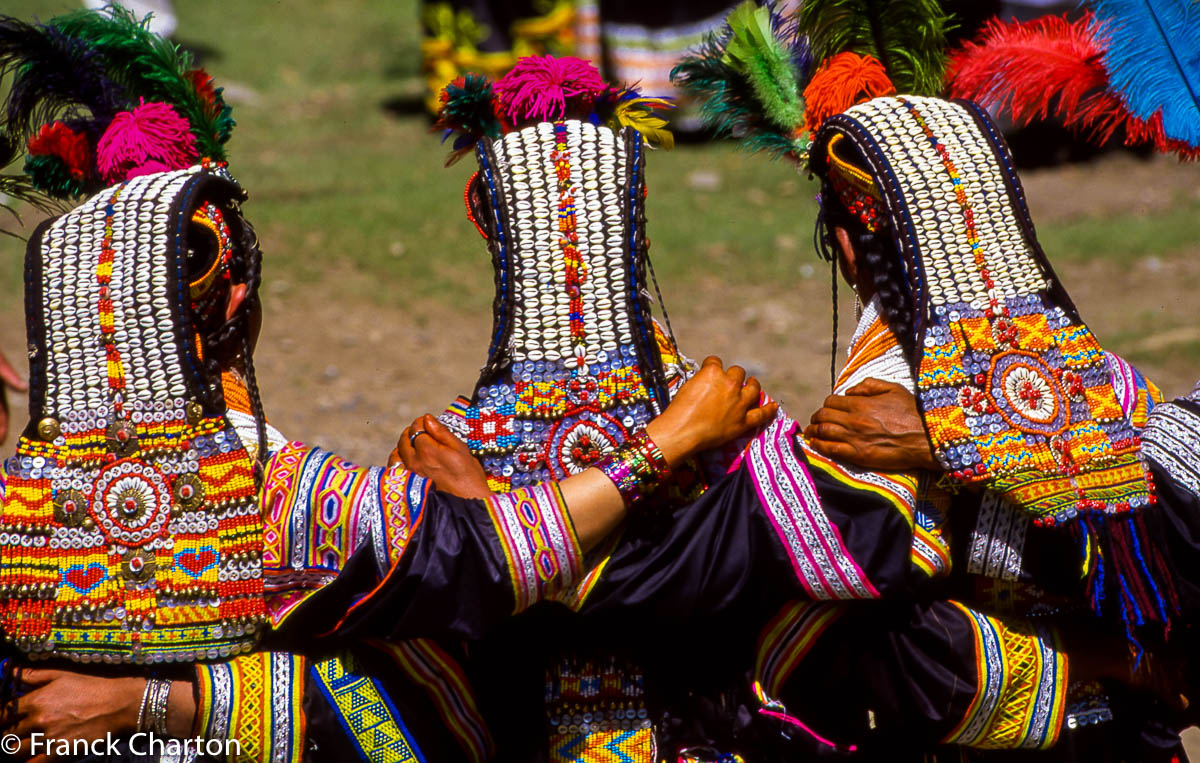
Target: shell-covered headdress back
(130, 520)
(573, 364)
(1015, 391)
(130, 517)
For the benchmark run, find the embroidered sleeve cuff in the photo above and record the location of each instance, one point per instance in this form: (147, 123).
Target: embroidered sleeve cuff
(256, 699)
(538, 540)
(1021, 688)
(785, 489)
(1171, 439)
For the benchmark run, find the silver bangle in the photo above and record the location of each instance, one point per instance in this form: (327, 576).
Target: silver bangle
(152, 716)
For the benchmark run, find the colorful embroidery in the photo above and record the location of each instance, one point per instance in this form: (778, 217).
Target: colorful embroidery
(130, 530)
(1021, 689)
(256, 699)
(822, 564)
(366, 712)
(320, 509)
(539, 541)
(596, 712)
(442, 678)
(1171, 439)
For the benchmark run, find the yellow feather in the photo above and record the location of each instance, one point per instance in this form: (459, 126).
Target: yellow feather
(638, 113)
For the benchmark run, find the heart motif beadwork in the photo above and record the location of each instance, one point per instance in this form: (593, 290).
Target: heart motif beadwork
(196, 563)
(84, 578)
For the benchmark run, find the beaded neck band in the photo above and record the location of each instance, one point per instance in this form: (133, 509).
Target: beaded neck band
(130, 523)
(573, 365)
(1014, 388)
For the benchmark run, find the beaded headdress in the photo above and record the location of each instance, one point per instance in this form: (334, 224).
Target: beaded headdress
(1014, 388)
(130, 529)
(573, 365)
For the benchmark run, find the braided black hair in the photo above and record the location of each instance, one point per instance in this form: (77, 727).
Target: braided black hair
(228, 341)
(877, 253)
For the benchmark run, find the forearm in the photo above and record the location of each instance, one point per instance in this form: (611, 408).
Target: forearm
(181, 709)
(596, 505)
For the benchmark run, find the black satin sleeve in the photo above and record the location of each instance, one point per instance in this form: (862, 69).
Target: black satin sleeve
(746, 540)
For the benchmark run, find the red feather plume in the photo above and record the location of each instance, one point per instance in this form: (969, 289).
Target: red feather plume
(1051, 66)
(1024, 67)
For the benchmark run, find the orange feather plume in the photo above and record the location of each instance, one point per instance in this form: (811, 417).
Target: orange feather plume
(840, 82)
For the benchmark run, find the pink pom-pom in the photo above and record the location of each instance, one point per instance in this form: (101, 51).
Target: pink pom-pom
(538, 87)
(150, 138)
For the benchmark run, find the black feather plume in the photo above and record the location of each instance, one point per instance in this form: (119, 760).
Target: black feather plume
(54, 76)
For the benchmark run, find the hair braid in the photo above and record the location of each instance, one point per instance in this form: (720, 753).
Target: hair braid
(878, 254)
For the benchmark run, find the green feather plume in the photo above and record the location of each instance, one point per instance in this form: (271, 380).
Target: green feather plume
(753, 51)
(154, 68)
(748, 80)
(907, 36)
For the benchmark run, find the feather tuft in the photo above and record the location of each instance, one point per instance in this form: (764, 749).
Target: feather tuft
(1055, 67)
(72, 148)
(148, 66)
(469, 107)
(640, 113)
(540, 88)
(150, 138)
(753, 50)
(1153, 61)
(1030, 69)
(52, 75)
(840, 82)
(748, 94)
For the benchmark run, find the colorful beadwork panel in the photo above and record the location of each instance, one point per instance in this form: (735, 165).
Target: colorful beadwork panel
(595, 709)
(366, 712)
(1014, 389)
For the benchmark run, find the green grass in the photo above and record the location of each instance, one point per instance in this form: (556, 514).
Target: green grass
(1124, 238)
(352, 195)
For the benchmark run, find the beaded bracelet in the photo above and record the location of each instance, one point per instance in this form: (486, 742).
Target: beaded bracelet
(637, 468)
(152, 715)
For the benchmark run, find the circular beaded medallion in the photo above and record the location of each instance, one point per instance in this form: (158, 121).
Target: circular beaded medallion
(578, 444)
(1023, 389)
(130, 503)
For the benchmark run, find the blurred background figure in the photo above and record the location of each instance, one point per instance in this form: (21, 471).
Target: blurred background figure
(162, 22)
(629, 40)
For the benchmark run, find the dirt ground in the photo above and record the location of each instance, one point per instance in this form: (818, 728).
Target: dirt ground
(351, 375)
